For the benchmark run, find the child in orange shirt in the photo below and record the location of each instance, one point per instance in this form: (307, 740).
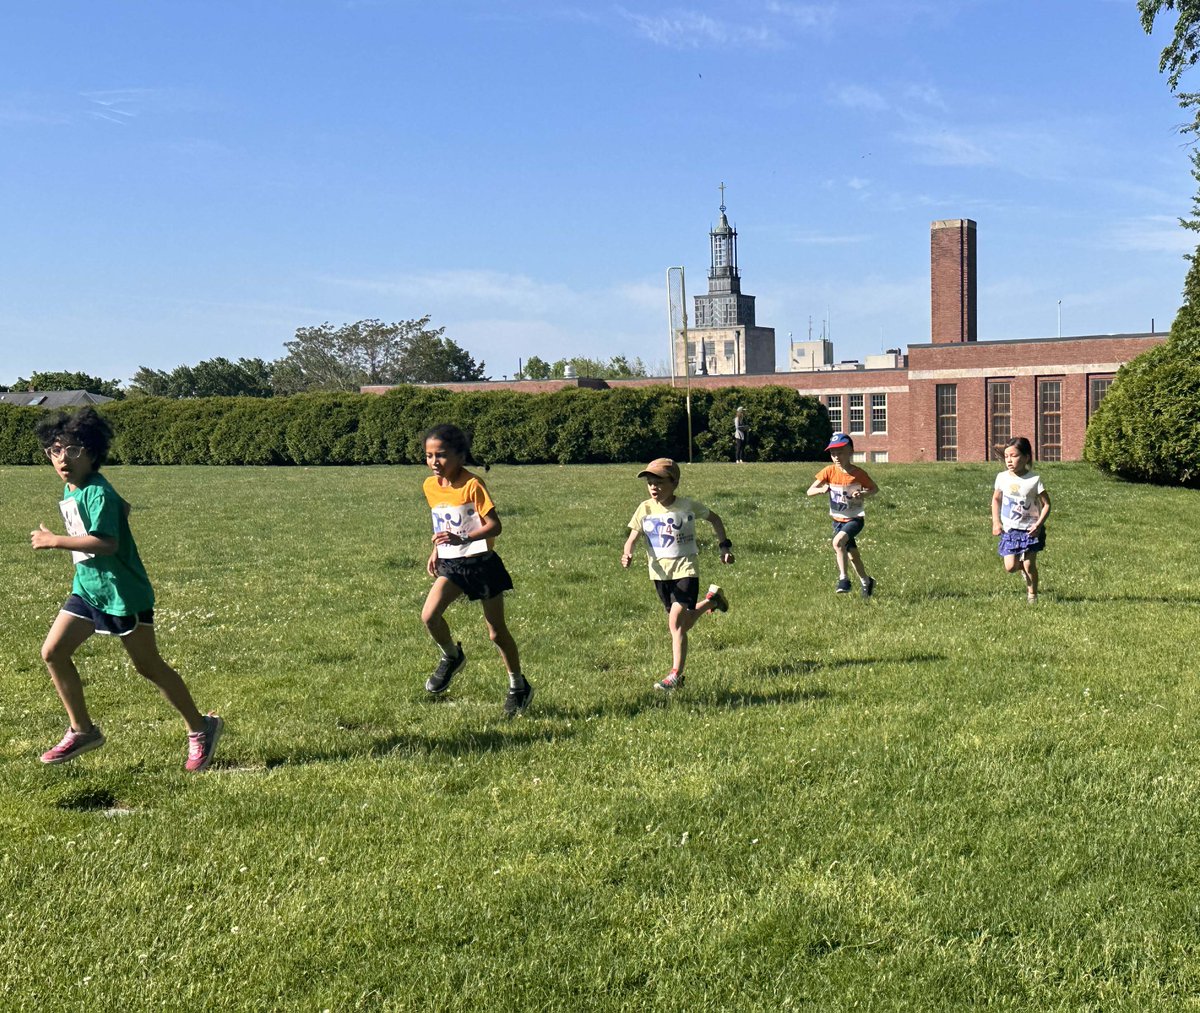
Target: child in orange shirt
(847, 485)
(463, 561)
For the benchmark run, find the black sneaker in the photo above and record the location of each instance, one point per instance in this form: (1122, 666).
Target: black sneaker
(517, 700)
(439, 682)
(868, 586)
(843, 586)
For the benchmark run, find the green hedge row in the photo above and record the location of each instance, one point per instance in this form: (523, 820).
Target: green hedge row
(569, 426)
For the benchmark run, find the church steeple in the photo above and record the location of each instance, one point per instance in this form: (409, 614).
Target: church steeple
(723, 276)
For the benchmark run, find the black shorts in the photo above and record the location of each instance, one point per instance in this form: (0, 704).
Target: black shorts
(685, 591)
(852, 527)
(106, 622)
(478, 577)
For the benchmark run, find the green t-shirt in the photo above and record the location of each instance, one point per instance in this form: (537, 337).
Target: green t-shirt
(115, 584)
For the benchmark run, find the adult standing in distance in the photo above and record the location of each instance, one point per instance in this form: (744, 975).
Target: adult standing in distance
(739, 435)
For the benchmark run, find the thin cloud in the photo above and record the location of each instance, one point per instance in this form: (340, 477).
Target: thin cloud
(811, 17)
(692, 29)
(1153, 234)
(857, 96)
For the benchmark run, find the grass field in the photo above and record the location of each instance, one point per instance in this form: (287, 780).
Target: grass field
(934, 799)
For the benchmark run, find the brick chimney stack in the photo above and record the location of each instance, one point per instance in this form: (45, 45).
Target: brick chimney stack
(952, 281)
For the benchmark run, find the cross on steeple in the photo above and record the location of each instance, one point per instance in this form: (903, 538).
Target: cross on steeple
(722, 189)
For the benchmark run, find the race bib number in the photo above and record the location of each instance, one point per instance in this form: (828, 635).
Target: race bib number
(670, 536)
(1017, 513)
(75, 527)
(846, 500)
(462, 521)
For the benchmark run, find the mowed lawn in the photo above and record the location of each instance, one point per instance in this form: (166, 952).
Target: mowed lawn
(935, 799)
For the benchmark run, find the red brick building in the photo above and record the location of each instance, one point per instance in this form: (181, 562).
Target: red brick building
(954, 399)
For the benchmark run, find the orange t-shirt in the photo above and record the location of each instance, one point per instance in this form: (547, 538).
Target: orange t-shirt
(460, 507)
(841, 485)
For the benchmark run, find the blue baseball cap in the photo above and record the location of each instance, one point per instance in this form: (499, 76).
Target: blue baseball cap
(839, 440)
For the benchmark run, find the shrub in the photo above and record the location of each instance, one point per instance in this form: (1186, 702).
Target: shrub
(323, 427)
(18, 445)
(252, 431)
(1147, 428)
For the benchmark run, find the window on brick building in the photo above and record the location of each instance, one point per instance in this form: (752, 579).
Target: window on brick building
(1097, 388)
(859, 457)
(833, 405)
(947, 421)
(879, 456)
(729, 349)
(999, 395)
(1049, 420)
(879, 413)
(857, 420)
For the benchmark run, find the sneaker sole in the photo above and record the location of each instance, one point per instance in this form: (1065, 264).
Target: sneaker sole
(72, 755)
(216, 736)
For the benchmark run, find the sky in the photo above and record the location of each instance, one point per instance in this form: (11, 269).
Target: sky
(200, 178)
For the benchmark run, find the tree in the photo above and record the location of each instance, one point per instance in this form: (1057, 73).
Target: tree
(211, 378)
(370, 352)
(71, 381)
(1147, 428)
(536, 368)
(616, 368)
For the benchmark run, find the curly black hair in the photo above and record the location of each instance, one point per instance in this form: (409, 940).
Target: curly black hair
(83, 428)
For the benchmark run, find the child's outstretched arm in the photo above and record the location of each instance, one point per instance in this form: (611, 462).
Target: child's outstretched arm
(723, 542)
(627, 551)
(997, 498)
(44, 538)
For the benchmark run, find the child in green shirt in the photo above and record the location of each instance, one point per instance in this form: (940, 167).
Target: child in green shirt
(110, 594)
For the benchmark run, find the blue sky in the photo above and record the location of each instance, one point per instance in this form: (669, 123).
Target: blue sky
(191, 179)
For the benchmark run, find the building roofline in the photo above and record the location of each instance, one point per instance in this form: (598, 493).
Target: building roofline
(1029, 341)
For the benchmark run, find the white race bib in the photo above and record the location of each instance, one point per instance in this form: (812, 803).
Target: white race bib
(75, 527)
(462, 521)
(840, 501)
(670, 535)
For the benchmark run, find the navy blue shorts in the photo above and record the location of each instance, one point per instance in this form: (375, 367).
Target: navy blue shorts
(852, 527)
(478, 577)
(106, 622)
(1017, 542)
(685, 591)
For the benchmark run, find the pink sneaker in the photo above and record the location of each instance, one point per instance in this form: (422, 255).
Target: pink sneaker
(202, 744)
(671, 681)
(74, 744)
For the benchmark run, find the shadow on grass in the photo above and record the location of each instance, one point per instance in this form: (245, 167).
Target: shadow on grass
(807, 666)
(517, 734)
(1113, 599)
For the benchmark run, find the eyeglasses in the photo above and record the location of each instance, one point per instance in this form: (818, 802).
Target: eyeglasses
(70, 453)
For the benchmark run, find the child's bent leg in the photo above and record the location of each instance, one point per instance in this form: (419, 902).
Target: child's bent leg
(1011, 564)
(66, 635)
(857, 563)
(839, 551)
(142, 649)
(493, 614)
(1031, 574)
(443, 593)
(681, 619)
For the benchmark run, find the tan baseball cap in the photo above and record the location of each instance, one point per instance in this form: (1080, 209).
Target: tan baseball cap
(661, 467)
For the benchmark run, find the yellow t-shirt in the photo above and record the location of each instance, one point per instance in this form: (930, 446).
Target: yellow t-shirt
(460, 507)
(670, 534)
